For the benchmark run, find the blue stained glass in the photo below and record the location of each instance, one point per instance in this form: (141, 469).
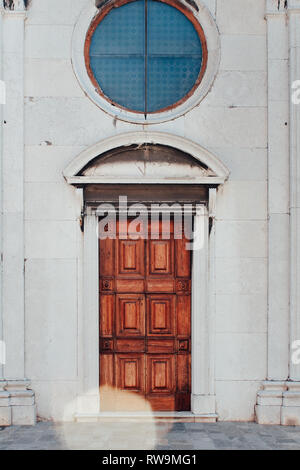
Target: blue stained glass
(170, 32)
(119, 59)
(120, 32)
(129, 91)
(170, 79)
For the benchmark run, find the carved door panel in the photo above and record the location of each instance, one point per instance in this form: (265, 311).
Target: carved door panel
(145, 322)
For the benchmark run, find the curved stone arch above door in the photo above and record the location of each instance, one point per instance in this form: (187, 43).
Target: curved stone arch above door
(213, 172)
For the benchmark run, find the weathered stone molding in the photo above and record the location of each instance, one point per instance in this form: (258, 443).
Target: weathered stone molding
(269, 402)
(130, 138)
(17, 403)
(290, 411)
(279, 403)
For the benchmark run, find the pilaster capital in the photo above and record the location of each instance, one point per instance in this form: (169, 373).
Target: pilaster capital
(275, 8)
(13, 7)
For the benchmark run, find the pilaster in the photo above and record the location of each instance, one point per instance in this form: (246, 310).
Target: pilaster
(16, 399)
(1, 186)
(279, 401)
(270, 398)
(290, 414)
(88, 401)
(203, 397)
(13, 193)
(294, 51)
(278, 192)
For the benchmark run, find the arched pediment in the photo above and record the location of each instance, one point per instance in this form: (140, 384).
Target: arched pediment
(144, 157)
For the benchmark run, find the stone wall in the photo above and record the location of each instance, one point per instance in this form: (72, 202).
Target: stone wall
(60, 121)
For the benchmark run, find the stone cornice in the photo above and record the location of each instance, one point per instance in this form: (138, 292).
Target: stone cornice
(281, 7)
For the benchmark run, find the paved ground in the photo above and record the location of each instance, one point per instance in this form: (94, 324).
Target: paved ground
(131, 436)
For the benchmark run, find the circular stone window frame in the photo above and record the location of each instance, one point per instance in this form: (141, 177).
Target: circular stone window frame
(107, 8)
(87, 19)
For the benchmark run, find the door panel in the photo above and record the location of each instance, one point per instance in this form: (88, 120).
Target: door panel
(130, 372)
(130, 345)
(130, 315)
(128, 285)
(183, 305)
(183, 259)
(160, 259)
(130, 258)
(161, 315)
(145, 321)
(107, 258)
(160, 346)
(107, 370)
(160, 285)
(160, 374)
(107, 307)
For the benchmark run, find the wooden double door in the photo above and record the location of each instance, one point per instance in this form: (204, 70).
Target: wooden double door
(145, 321)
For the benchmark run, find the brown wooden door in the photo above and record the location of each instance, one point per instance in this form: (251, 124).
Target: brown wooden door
(145, 322)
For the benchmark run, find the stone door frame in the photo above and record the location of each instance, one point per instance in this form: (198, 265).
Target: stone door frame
(203, 289)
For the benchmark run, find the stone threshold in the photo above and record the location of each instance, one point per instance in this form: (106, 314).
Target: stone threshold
(162, 416)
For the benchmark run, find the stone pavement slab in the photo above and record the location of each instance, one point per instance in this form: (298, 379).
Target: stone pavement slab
(148, 436)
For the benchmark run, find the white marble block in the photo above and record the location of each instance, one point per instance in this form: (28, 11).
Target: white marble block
(269, 402)
(290, 412)
(23, 415)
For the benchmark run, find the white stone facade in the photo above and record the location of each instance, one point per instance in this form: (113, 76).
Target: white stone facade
(246, 120)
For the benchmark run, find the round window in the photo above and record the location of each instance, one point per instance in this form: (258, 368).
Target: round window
(146, 56)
